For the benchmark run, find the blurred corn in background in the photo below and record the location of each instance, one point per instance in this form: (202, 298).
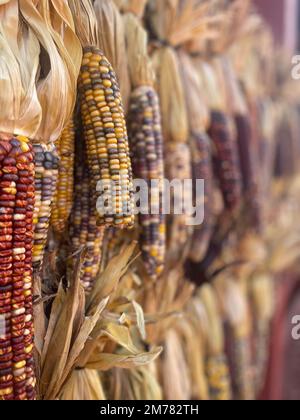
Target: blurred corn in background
(96, 303)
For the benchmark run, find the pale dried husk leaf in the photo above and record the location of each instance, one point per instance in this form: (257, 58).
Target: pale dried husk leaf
(83, 385)
(57, 82)
(177, 22)
(172, 97)
(140, 66)
(21, 112)
(197, 108)
(215, 334)
(85, 22)
(195, 355)
(174, 365)
(111, 37)
(263, 295)
(214, 90)
(136, 7)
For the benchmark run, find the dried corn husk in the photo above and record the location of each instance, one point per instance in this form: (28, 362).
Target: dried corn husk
(21, 111)
(172, 97)
(86, 334)
(83, 385)
(60, 64)
(112, 42)
(263, 301)
(136, 7)
(140, 66)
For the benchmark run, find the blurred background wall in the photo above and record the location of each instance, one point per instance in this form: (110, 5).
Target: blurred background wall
(283, 16)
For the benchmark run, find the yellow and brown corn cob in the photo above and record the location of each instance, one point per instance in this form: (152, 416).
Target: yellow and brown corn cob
(17, 381)
(202, 169)
(218, 377)
(106, 138)
(146, 141)
(46, 171)
(63, 198)
(226, 160)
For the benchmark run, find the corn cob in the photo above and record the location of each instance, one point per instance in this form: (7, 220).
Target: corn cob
(46, 170)
(147, 158)
(106, 138)
(240, 357)
(226, 160)
(249, 171)
(218, 378)
(16, 242)
(202, 169)
(63, 198)
(84, 232)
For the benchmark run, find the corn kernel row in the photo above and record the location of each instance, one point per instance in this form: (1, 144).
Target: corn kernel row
(46, 170)
(146, 141)
(84, 232)
(106, 138)
(63, 198)
(17, 381)
(226, 160)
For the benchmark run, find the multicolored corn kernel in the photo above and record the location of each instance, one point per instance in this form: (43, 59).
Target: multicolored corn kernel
(46, 171)
(226, 160)
(106, 139)
(218, 378)
(16, 232)
(84, 232)
(146, 143)
(202, 168)
(63, 198)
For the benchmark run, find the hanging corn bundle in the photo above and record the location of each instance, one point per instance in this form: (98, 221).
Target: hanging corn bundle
(145, 135)
(63, 197)
(104, 127)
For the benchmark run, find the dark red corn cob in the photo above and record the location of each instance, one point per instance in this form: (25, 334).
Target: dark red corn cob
(202, 169)
(250, 172)
(146, 141)
(16, 237)
(226, 160)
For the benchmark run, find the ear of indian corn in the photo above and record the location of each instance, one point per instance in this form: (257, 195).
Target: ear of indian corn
(202, 169)
(106, 139)
(46, 170)
(249, 170)
(84, 232)
(146, 143)
(226, 160)
(17, 381)
(63, 198)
